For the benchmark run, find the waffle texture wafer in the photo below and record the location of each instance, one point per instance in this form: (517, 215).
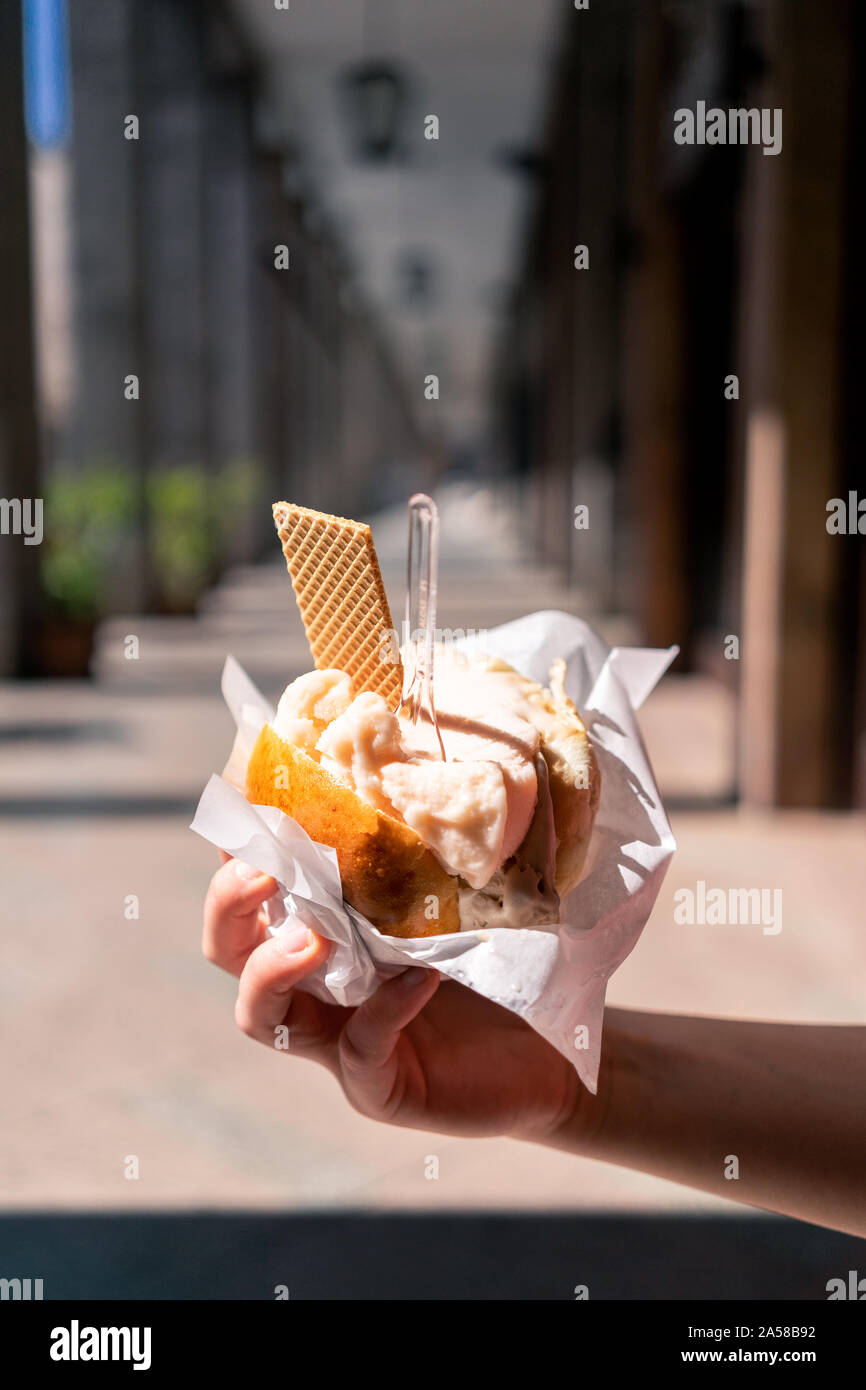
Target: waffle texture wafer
(338, 585)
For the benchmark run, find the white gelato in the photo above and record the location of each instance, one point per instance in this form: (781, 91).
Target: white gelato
(485, 812)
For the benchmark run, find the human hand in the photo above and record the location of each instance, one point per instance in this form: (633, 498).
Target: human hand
(422, 1052)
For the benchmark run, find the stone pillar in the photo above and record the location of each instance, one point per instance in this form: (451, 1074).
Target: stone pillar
(106, 429)
(228, 283)
(598, 160)
(169, 83)
(655, 511)
(272, 345)
(800, 652)
(19, 438)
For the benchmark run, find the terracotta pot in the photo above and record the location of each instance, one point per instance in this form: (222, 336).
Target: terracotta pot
(64, 646)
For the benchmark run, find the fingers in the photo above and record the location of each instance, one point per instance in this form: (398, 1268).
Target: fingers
(233, 923)
(371, 1035)
(266, 1007)
(270, 1010)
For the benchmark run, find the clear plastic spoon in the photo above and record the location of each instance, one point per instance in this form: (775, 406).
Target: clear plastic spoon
(420, 633)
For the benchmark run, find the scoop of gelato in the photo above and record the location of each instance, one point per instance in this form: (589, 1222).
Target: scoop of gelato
(485, 812)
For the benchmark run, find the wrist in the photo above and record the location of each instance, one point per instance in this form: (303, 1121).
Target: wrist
(603, 1125)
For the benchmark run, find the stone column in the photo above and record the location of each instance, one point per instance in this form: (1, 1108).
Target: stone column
(800, 637)
(106, 429)
(228, 284)
(655, 507)
(19, 438)
(271, 338)
(169, 91)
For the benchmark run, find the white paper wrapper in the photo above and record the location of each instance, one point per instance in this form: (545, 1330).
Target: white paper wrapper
(553, 977)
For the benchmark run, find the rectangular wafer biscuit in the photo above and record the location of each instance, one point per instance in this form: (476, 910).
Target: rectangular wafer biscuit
(338, 585)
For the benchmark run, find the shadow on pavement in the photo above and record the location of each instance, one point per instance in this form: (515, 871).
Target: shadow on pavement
(405, 1256)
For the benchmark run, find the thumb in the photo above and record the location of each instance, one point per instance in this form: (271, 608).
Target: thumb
(371, 1035)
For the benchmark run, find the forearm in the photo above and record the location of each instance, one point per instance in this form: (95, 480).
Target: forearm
(682, 1098)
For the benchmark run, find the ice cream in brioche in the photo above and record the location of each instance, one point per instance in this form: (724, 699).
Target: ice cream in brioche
(494, 835)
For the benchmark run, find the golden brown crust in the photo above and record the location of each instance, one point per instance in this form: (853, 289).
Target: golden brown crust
(388, 874)
(574, 808)
(574, 776)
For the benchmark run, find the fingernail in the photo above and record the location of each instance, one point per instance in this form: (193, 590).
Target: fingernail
(413, 976)
(246, 870)
(294, 938)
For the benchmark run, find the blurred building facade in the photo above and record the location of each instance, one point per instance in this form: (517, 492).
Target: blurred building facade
(218, 353)
(211, 370)
(706, 262)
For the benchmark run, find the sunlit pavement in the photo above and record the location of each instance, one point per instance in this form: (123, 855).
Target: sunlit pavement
(119, 1039)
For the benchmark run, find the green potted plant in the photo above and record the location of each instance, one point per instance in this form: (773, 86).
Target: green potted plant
(88, 515)
(197, 521)
(239, 492)
(182, 535)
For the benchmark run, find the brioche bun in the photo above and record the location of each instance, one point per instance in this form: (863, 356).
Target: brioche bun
(387, 872)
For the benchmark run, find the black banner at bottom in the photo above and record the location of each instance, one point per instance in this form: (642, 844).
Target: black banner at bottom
(159, 1339)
